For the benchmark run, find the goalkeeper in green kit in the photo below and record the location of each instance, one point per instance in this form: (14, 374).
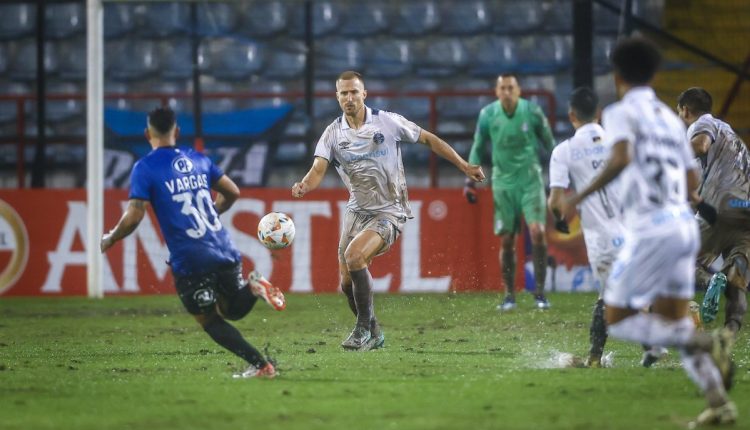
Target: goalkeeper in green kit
(515, 126)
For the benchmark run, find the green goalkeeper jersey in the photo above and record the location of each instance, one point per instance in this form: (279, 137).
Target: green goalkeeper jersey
(514, 141)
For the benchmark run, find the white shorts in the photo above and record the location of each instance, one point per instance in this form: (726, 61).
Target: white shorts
(655, 263)
(602, 250)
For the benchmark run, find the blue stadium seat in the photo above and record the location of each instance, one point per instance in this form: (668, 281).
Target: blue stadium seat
(290, 153)
(62, 109)
(465, 107)
(449, 127)
(325, 19)
(64, 20)
(116, 88)
(326, 107)
(216, 19)
(604, 85)
(605, 21)
(17, 20)
(563, 89)
(166, 19)
(649, 10)
(557, 16)
(364, 19)
(169, 88)
(127, 60)
(415, 18)
(265, 86)
(265, 18)
(441, 57)
(388, 58)
(516, 16)
(73, 59)
(465, 17)
(23, 64)
(377, 102)
(231, 58)
(415, 108)
(4, 59)
(221, 104)
(334, 55)
(9, 108)
(119, 19)
(493, 55)
(602, 48)
(177, 58)
(286, 60)
(545, 54)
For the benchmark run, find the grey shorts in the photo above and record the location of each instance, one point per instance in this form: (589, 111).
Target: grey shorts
(385, 225)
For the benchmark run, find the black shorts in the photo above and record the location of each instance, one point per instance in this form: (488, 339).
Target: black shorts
(199, 293)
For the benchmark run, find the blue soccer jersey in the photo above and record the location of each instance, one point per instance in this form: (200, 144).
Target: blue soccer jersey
(177, 182)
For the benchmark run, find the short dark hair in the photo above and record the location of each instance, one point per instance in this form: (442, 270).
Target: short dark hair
(351, 74)
(161, 119)
(584, 102)
(697, 100)
(636, 60)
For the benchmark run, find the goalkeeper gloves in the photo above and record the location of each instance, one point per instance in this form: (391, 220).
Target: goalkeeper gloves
(470, 191)
(707, 212)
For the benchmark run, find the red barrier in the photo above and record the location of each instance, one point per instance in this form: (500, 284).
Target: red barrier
(448, 246)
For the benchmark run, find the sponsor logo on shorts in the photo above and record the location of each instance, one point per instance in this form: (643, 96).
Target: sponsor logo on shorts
(739, 204)
(204, 297)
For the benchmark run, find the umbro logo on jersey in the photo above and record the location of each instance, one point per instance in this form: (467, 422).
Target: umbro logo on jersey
(344, 145)
(182, 165)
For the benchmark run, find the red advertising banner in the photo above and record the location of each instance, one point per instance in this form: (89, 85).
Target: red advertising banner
(448, 246)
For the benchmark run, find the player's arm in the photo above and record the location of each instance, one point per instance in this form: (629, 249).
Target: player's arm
(555, 203)
(701, 143)
(128, 223)
(542, 130)
(312, 179)
(227, 192)
(706, 211)
(619, 159)
(441, 148)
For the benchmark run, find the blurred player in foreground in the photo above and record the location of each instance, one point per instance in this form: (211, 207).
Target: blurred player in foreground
(579, 160)
(206, 266)
(364, 146)
(726, 186)
(657, 263)
(514, 125)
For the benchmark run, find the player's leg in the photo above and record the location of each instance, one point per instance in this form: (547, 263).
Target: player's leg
(347, 235)
(507, 224)
(737, 272)
(534, 208)
(234, 299)
(713, 284)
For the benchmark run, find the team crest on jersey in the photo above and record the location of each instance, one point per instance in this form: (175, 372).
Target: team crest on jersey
(525, 127)
(378, 138)
(182, 165)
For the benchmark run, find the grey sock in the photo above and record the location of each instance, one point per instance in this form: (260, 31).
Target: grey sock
(363, 296)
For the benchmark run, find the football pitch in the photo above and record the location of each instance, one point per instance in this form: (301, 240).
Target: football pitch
(450, 362)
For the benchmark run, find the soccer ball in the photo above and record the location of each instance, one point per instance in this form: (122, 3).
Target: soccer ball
(276, 230)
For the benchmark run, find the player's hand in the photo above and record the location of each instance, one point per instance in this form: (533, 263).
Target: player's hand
(299, 189)
(470, 191)
(568, 203)
(562, 226)
(707, 212)
(475, 173)
(106, 242)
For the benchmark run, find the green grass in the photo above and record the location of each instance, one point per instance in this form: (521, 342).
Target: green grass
(451, 362)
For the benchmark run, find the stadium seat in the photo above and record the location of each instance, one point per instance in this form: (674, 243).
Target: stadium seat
(415, 108)
(221, 104)
(605, 20)
(452, 127)
(377, 102)
(73, 59)
(441, 57)
(119, 19)
(169, 89)
(112, 88)
(177, 58)
(216, 19)
(516, 16)
(131, 59)
(544, 54)
(334, 55)
(602, 48)
(9, 108)
(286, 60)
(290, 153)
(231, 58)
(263, 18)
(164, 19)
(326, 107)
(364, 19)
(415, 18)
(64, 109)
(493, 55)
(325, 19)
(557, 16)
(4, 59)
(23, 64)
(604, 85)
(17, 20)
(64, 20)
(465, 17)
(465, 107)
(563, 89)
(265, 86)
(388, 58)
(649, 10)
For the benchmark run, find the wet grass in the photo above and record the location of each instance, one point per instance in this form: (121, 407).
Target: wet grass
(451, 362)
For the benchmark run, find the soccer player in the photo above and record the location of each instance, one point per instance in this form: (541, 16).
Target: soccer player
(657, 263)
(364, 146)
(579, 160)
(514, 126)
(207, 268)
(726, 186)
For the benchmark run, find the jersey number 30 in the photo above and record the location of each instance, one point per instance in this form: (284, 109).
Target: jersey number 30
(200, 212)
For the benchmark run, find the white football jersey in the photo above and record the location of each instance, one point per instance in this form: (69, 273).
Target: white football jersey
(369, 160)
(654, 183)
(580, 160)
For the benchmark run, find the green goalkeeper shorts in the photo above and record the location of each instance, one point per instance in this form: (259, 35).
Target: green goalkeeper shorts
(523, 199)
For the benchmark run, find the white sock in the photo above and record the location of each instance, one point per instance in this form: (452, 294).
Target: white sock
(702, 370)
(653, 329)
